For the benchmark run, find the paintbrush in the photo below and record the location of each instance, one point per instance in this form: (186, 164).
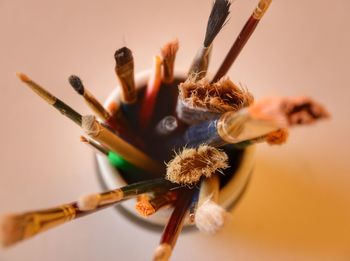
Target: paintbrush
(168, 52)
(191, 164)
(50, 99)
(242, 38)
(97, 130)
(152, 89)
(216, 21)
(130, 153)
(201, 100)
(210, 216)
(147, 206)
(173, 227)
(124, 69)
(113, 158)
(17, 227)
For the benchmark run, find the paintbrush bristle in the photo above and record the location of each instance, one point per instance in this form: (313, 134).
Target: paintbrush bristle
(83, 139)
(77, 84)
(170, 49)
(191, 164)
(11, 229)
(89, 202)
(162, 252)
(144, 207)
(278, 137)
(217, 19)
(23, 77)
(123, 56)
(210, 217)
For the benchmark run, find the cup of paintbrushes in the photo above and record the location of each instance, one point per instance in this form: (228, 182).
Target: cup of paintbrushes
(232, 183)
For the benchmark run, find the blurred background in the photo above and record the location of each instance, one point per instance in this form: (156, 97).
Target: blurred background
(297, 204)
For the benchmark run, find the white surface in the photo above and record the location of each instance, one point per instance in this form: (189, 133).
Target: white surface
(297, 205)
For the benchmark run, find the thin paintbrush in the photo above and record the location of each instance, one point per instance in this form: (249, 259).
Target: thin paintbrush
(130, 153)
(17, 227)
(216, 21)
(261, 118)
(242, 38)
(97, 130)
(124, 69)
(114, 159)
(97, 107)
(90, 100)
(149, 100)
(50, 99)
(168, 53)
(173, 227)
(147, 206)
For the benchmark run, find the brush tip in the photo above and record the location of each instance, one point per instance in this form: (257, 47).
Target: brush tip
(191, 164)
(123, 56)
(9, 230)
(83, 139)
(144, 208)
(22, 77)
(162, 252)
(88, 202)
(210, 217)
(77, 84)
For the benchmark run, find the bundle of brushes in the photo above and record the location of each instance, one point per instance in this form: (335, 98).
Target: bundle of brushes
(200, 127)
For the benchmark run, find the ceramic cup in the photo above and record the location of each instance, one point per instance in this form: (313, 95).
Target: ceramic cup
(112, 179)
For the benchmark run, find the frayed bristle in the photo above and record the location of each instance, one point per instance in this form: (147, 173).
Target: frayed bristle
(217, 19)
(170, 49)
(210, 217)
(11, 229)
(162, 252)
(144, 207)
(77, 84)
(277, 137)
(89, 202)
(123, 56)
(218, 97)
(190, 165)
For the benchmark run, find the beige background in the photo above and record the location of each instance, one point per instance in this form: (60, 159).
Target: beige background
(297, 205)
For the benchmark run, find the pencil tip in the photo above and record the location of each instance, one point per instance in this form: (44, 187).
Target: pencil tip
(77, 84)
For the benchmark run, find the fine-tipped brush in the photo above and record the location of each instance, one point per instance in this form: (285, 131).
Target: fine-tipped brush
(152, 89)
(147, 206)
(168, 53)
(216, 21)
(124, 69)
(210, 216)
(114, 159)
(50, 99)
(96, 130)
(173, 227)
(90, 100)
(17, 227)
(242, 38)
(130, 153)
